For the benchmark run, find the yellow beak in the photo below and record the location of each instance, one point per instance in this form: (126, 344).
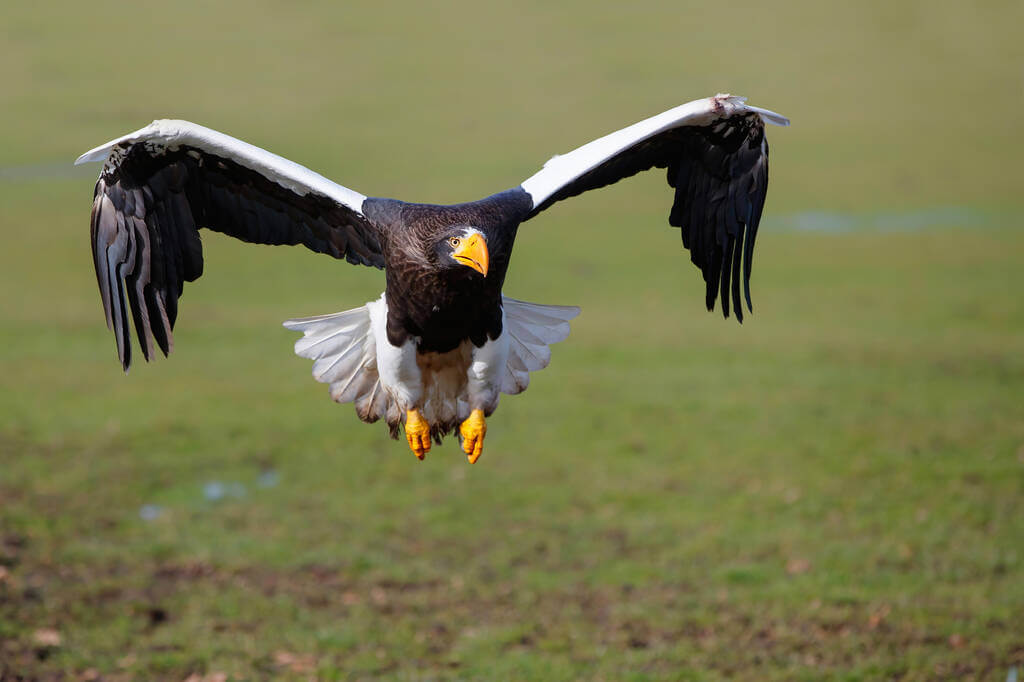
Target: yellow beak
(472, 252)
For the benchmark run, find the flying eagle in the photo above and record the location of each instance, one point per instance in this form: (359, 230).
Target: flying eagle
(442, 342)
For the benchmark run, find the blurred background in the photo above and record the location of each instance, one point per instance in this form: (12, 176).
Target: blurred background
(832, 489)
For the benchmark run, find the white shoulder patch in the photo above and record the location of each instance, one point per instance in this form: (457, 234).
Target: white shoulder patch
(563, 169)
(168, 134)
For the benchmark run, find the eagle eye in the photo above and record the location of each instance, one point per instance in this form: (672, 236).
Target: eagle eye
(455, 241)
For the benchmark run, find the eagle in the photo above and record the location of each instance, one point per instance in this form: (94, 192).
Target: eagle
(434, 353)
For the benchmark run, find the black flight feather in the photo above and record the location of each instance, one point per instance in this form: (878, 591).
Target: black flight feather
(719, 172)
(149, 205)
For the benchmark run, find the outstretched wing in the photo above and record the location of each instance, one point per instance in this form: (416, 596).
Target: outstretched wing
(717, 160)
(162, 183)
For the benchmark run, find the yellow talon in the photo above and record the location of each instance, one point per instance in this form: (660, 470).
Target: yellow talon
(417, 432)
(473, 431)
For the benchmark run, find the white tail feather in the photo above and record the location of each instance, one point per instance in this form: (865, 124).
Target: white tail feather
(343, 349)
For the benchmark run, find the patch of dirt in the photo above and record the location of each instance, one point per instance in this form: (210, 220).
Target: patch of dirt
(661, 623)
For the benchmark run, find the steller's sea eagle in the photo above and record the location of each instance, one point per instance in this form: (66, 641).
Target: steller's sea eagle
(442, 342)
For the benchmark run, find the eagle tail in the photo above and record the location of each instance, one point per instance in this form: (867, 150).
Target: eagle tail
(344, 353)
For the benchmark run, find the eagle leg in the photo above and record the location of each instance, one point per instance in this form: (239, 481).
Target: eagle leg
(417, 432)
(473, 431)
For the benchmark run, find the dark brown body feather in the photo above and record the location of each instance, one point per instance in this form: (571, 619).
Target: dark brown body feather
(442, 307)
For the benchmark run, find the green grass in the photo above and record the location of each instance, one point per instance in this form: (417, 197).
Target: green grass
(833, 489)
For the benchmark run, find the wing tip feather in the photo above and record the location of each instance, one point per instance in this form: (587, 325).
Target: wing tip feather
(769, 116)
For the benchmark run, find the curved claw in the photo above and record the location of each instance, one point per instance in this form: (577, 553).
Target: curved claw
(417, 432)
(473, 431)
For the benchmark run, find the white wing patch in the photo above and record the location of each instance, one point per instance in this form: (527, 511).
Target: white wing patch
(171, 134)
(563, 169)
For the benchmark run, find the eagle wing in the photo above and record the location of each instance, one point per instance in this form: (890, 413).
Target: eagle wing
(162, 183)
(717, 160)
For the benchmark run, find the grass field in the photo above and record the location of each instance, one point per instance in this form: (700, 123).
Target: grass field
(834, 489)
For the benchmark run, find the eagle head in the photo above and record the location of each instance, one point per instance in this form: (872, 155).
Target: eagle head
(462, 246)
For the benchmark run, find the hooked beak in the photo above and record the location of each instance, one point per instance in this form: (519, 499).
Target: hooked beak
(472, 252)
